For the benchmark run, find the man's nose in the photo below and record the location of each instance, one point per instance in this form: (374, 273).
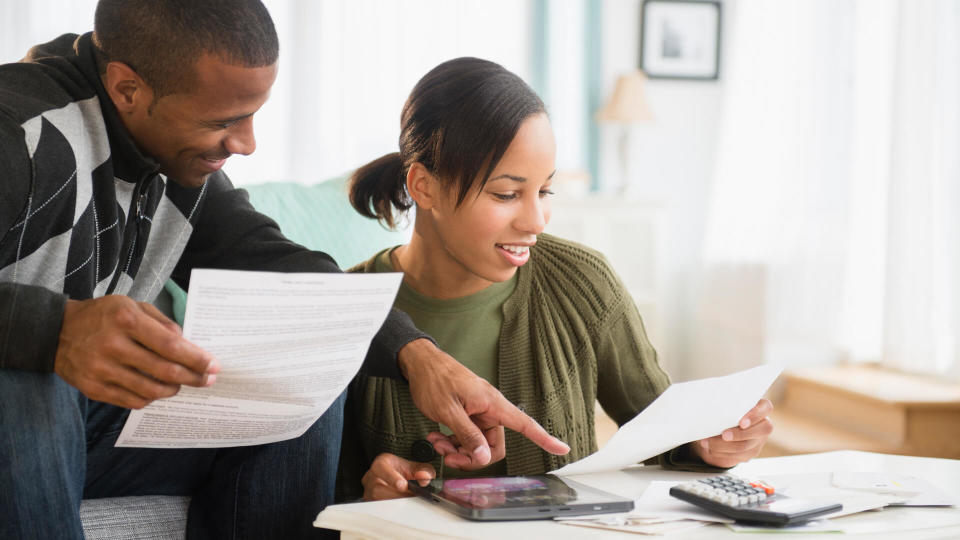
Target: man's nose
(240, 139)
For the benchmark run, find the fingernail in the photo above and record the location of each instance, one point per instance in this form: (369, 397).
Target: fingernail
(704, 443)
(481, 454)
(401, 485)
(745, 423)
(209, 379)
(728, 435)
(213, 365)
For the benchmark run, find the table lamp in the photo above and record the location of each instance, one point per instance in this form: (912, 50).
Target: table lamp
(626, 106)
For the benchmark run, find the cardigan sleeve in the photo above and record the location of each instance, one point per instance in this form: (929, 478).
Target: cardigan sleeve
(629, 377)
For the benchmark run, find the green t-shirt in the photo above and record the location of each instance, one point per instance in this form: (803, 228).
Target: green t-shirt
(467, 328)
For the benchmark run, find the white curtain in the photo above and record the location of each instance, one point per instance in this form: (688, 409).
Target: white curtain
(25, 24)
(834, 225)
(346, 67)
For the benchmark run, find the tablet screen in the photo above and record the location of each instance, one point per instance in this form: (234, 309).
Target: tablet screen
(508, 491)
(516, 492)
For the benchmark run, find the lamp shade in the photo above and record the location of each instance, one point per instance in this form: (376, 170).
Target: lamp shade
(628, 104)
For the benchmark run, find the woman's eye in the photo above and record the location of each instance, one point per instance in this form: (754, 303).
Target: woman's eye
(545, 193)
(505, 196)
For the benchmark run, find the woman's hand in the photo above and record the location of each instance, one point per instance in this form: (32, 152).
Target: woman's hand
(741, 443)
(458, 457)
(388, 476)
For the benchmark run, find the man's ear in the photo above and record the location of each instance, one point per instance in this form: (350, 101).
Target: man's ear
(126, 88)
(422, 186)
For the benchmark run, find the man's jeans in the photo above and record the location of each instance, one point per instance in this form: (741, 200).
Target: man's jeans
(57, 447)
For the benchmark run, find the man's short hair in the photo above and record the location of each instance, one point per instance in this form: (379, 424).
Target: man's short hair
(163, 39)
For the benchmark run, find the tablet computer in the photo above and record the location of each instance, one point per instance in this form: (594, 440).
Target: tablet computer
(519, 497)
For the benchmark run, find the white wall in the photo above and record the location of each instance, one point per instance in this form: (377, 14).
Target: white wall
(24, 24)
(670, 165)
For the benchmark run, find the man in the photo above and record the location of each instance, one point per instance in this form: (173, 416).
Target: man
(111, 145)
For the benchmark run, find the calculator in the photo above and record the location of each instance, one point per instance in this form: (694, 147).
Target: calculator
(750, 502)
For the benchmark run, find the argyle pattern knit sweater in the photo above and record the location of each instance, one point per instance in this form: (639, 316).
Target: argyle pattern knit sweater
(83, 213)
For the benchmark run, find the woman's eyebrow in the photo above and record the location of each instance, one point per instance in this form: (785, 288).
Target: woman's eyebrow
(510, 176)
(517, 178)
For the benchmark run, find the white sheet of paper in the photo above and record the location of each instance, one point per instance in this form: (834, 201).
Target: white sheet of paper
(656, 502)
(817, 487)
(687, 411)
(908, 490)
(815, 526)
(288, 345)
(654, 529)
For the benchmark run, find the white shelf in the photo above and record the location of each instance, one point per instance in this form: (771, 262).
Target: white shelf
(626, 231)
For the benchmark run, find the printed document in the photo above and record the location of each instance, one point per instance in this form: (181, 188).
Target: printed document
(288, 345)
(684, 412)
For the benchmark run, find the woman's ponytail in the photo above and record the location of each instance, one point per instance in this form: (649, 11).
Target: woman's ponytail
(379, 190)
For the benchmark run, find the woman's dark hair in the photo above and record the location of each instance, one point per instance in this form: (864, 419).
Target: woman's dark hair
(458, 122)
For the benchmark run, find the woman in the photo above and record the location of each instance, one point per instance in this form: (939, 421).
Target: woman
(543, 319)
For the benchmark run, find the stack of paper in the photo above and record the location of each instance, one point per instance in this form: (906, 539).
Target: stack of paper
(655, 512)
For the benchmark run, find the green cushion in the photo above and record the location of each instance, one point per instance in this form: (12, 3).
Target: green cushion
(318, 216)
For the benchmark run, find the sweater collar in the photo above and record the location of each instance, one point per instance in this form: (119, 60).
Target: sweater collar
(129, 163)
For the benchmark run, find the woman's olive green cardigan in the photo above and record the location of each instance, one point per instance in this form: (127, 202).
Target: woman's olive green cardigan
(571, 335)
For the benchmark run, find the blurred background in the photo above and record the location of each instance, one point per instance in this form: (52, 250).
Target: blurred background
(782, 185)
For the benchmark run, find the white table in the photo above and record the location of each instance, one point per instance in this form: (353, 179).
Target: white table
(415, 518)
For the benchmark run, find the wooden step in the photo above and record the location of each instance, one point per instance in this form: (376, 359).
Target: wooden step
(798, 434)
(837, 403)
(866, 408)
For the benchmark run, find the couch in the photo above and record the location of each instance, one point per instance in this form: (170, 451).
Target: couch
(318, 216)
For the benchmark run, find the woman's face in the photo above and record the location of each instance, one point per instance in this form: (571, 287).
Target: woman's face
(490, 234)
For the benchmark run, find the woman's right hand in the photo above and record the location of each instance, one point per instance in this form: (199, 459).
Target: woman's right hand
(388, 476)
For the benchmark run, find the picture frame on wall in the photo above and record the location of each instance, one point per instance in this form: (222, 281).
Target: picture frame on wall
(680, 39)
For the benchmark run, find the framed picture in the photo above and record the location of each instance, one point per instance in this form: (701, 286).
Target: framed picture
(680, 39)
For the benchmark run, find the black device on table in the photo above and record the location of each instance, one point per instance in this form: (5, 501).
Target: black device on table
(750, 502)
(519, 497)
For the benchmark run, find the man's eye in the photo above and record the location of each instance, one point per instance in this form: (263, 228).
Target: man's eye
(224, 125)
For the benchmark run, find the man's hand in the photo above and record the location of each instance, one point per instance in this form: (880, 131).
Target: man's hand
(388, 476)
(127, 353)
(449, 393)
(741, 443)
